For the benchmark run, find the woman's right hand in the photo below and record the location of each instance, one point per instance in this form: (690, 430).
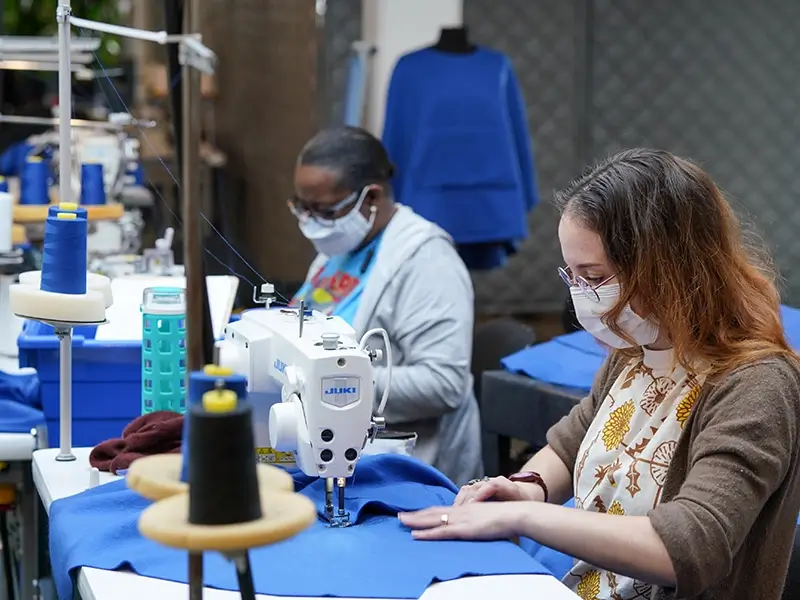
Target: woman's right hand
(498, 488)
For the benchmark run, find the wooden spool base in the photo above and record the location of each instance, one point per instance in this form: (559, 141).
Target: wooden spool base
(27, 214)
(18, 236)
(285, 514)
(159, 476)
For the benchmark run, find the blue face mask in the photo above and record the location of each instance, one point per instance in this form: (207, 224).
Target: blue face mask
(334, 237)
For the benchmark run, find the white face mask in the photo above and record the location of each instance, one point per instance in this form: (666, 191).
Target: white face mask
(643, 331)
(339, 236)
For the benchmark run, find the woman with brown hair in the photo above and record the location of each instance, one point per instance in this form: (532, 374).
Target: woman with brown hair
(683, 458)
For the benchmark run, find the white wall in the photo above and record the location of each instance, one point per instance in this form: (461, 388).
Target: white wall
(395, 27)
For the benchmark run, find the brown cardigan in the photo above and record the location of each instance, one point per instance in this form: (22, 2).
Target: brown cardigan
(732, 495)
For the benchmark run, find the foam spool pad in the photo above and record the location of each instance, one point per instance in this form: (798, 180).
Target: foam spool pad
(158, 477)
(30, 302)
(94, 282)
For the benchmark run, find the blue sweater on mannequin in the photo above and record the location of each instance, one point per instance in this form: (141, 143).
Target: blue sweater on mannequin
(457, 132)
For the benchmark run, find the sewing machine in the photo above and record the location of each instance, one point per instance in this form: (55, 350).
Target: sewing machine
(311, 385)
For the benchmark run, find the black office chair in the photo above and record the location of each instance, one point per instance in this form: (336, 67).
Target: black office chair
(492, 342)
(792, 589)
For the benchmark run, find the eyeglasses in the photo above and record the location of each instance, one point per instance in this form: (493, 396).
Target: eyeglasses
(323, 216)
(589, 290)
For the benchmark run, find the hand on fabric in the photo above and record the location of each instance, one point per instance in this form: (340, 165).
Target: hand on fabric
(498, 488)
(473, 521)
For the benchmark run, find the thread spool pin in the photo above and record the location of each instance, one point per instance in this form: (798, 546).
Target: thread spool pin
(94, 477)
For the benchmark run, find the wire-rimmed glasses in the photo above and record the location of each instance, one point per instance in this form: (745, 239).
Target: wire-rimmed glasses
(324, 216)
(589, 290)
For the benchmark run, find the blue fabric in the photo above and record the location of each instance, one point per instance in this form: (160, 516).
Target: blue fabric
(457, 133)
(569, 360)
(354, 92)
(572, 360)
(337, 287)
(791, 325)
(22, 388)
(375, 558)
(18, 418)
(487, 256)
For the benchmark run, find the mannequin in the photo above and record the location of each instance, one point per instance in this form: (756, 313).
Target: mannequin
(454, 40)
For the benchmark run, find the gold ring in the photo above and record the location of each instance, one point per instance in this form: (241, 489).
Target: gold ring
(445, 519)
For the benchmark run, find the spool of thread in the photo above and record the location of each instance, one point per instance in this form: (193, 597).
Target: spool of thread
(35, 182)
(201, 382)
(6, 222)
(3, 184)
(93, 188)
(67, 207)
(64, 255)
(222, 470)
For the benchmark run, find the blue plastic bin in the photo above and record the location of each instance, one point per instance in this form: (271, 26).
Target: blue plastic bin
(106, 381)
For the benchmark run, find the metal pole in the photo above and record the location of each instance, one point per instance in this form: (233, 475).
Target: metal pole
(190, 186)
(63, 12)
(64, 103)
(192, 236)
(65, 394)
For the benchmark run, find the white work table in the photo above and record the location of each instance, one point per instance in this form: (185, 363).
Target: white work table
(55, 480)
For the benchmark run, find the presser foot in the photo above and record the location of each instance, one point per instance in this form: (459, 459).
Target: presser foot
(339, 520)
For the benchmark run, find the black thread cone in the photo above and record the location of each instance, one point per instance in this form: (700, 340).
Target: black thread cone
(223, 485)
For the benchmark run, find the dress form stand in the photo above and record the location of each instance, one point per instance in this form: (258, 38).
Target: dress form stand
(454, 40)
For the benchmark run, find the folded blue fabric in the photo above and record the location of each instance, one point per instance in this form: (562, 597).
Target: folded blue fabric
(18, 418)
(569, 360)
(572, 360)
(791, 325)
(376, 557)
(22, 388)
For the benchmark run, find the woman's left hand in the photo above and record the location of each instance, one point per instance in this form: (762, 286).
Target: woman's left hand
(473, 521)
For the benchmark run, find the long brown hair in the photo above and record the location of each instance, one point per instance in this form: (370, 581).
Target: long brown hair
(678, 248)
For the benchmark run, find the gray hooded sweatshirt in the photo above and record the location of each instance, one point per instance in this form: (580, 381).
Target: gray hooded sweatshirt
(420, 292)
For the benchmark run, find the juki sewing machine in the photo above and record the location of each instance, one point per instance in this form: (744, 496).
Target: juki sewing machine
(312, 388)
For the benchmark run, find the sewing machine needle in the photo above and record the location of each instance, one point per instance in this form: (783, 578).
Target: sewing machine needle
(245, 575)
(340, 483)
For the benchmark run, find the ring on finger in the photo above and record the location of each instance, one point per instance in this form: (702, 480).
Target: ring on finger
(445, 519)
(480, 480)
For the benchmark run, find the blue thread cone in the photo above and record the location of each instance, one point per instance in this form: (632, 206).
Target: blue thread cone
(64, 256)
(93, 190)
(199, 384)
(35, 182)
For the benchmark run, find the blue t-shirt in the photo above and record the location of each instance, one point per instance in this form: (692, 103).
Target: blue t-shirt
(336, 288)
